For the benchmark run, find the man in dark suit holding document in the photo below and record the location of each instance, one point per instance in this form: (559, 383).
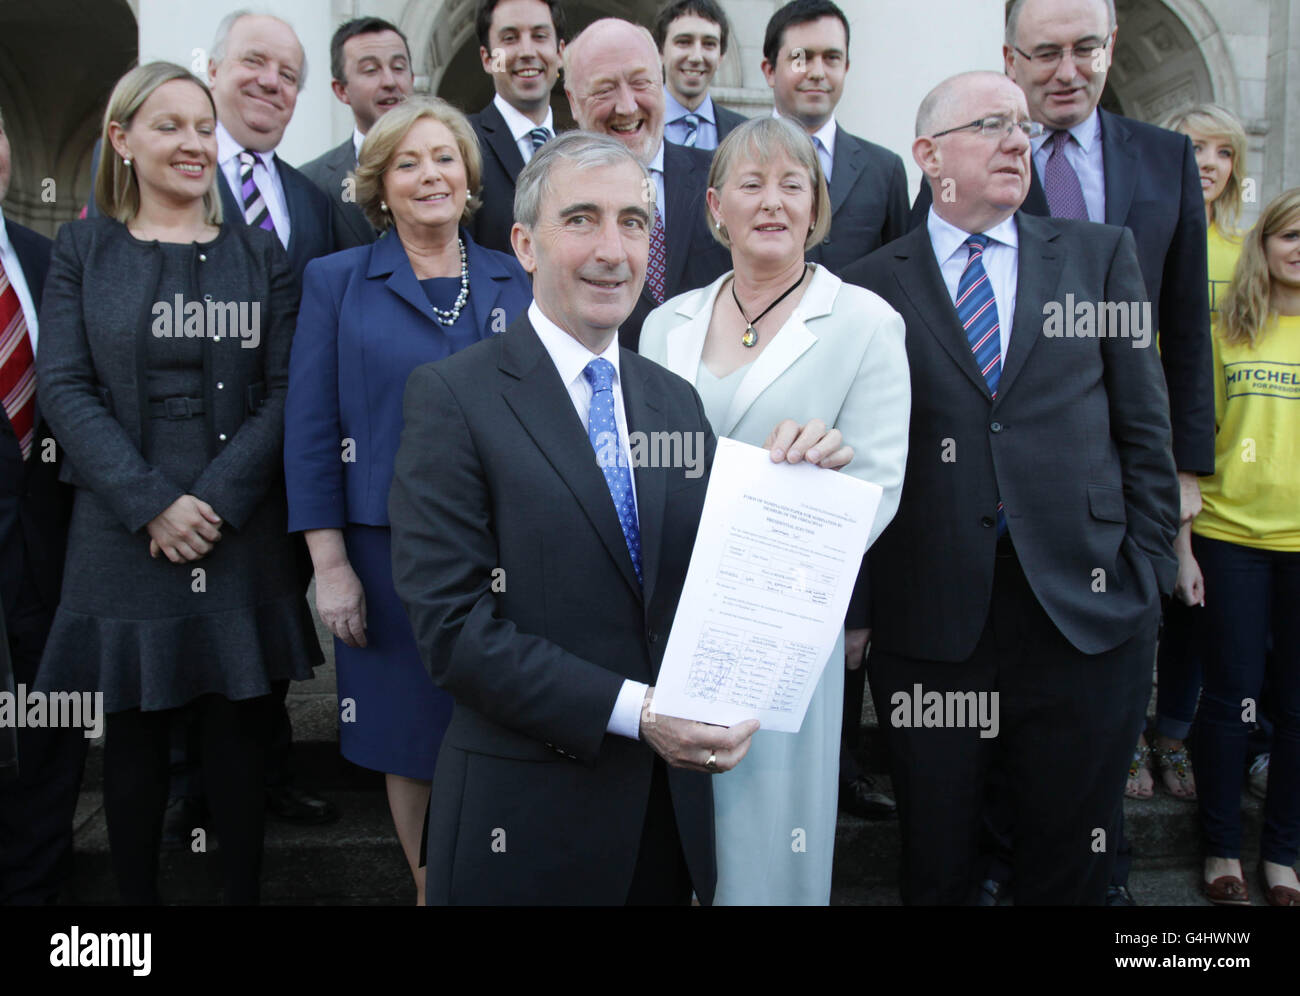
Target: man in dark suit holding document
(541, 581)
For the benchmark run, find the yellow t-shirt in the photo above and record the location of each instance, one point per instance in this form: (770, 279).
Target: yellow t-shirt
(1222, 252)
(1253, 498)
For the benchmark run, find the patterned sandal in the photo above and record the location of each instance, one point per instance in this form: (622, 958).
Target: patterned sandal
(1133, 790)
(1176, 762)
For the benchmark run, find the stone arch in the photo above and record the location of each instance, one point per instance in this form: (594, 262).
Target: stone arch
(58, 62)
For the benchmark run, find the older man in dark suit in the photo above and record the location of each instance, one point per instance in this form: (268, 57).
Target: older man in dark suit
(40, 769)
(806, 63)
(614, 83)
(257, 69)
(371, 65)
(520, 43)
(547, 619)
(1024, 570)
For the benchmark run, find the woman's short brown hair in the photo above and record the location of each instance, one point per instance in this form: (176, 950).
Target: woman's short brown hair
(758, 140)
(117, 191)
(381, 143)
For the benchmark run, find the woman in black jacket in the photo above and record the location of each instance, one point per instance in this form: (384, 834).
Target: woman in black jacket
(162, 367)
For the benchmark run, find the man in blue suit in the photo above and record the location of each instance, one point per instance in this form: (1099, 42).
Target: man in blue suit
(256, 70)
(40, 769)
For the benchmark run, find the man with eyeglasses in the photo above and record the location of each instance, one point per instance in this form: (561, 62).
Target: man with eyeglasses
(1035, 462)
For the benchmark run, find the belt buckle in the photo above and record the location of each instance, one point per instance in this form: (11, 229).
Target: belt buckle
(177, 408)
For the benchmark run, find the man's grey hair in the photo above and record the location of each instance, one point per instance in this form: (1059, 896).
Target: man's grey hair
(222, 38)
(938, 106)
(1013, 17)
(582, 150)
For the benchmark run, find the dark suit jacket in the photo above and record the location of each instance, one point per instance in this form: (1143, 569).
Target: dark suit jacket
(495, 470)
(363, 326)
(1153, 189)
(34, 506)
(695, 258)
(311, 216)
(868, 191)
(502, 162)
(726, 121)
(330, 173)
(1077, 446)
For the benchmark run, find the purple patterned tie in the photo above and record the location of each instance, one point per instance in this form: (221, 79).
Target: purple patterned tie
(656, 273)
(1061, 182)
(255, 210)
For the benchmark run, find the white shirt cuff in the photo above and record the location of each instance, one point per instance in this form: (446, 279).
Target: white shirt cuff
(625, 720)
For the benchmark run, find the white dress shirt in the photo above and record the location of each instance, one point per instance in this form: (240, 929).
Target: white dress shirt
(675, 128)
(357, 140)
(520, 125)
(823, 140)
(656, 168)
(1000, 259)
(265, 175)
(1084, 154)
(18, 280)
(571, 358)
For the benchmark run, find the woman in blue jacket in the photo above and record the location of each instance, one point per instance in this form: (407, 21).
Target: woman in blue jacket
(369, 316)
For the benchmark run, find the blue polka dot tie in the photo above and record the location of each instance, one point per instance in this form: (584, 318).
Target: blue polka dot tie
(602, 430)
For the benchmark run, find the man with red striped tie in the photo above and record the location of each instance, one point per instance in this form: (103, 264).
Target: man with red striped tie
(40, 769)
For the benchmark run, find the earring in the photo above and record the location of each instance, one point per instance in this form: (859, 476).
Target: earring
(126, 163)
(383, 206)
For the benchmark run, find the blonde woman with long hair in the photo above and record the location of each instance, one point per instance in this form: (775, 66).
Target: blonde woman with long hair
(1246, 546)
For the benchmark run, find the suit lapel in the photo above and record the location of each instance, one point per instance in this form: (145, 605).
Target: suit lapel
(541, 403)
(1036, 200)
(502, 142)
(917, 273)
(679, 182)
(230, 205)
(1119, 162)
(850, 158)
(1038, 271)
(340, 165)
(487, 276)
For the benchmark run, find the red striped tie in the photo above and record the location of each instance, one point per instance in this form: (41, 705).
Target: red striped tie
(17, 366)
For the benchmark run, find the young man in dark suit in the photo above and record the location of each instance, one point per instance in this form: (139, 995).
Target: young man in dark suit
(1034, 541)
(40, 769)
(371, 65)
(547, 620)
(256, 70)
(614, 83)
(806, 61)
(692, 37)
(520, 43)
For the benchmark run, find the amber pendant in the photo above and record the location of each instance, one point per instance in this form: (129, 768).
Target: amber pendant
(750, 338)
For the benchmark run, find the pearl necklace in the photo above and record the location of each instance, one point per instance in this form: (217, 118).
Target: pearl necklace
(449, 317)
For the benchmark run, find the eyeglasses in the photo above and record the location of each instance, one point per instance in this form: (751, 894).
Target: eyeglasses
(1050, 57)
(997, 126)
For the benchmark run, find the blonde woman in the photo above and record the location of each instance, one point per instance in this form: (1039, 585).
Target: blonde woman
(370, 316)
(778, 338)
(1246, 546)
(181, 589)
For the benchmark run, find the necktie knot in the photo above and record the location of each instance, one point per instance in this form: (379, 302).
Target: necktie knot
(692, 121)
(977, 243)
(1059, 140)
(248, 158)
(539, 137)
(599, 373)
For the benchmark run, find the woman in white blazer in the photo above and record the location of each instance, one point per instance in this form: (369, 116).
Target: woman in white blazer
(778, 338)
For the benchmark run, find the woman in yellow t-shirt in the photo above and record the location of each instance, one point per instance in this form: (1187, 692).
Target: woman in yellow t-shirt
(1245, 558)
(1219, 141)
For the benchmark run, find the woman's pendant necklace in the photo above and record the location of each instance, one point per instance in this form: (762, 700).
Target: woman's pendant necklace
(750, 337)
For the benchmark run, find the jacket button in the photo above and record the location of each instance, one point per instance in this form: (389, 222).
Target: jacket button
(203, 257)
(987, 522)
(654, 637)
(222, 437)
(826, 241)
(220, 386)
(995, 427)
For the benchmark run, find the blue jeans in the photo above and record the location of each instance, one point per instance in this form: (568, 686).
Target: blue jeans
(1250, 595)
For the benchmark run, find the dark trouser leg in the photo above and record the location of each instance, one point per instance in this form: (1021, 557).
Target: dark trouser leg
(280, 750)
(1237, 604)
(1280, 837)
(234, 738)
(36, 808)
(661, 877)
(135, 795)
